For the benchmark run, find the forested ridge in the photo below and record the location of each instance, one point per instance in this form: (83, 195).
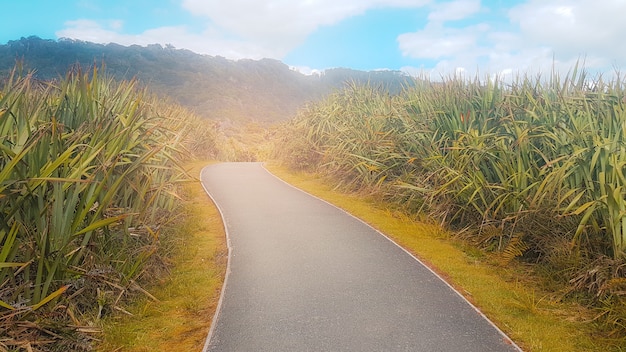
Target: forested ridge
(214, 87)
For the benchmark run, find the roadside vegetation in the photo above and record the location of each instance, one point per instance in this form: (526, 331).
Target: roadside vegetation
(515, 192)
(178, 318)
(532, 316)
(529, 175)
(90, 174)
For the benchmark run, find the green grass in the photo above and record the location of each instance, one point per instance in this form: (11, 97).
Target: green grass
(188, 296)
(534, 319)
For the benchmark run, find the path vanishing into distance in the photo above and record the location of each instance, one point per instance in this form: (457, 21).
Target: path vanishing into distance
(304, 275)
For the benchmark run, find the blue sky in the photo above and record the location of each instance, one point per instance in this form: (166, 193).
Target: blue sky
(429, 37)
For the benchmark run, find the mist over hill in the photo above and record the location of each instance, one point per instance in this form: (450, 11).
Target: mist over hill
(214, 87)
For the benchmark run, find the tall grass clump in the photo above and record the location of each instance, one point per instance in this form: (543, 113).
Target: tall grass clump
(89, 169)
(353, 135)
(533, 169)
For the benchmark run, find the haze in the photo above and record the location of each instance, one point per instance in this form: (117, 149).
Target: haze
(417, 36)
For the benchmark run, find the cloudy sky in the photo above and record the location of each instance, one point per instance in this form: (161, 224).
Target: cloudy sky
(429, 36)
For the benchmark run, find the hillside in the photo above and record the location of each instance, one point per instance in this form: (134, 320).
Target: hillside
(266, 90)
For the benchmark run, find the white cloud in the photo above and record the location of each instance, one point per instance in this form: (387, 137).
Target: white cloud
(255, 18)
(556, 34)
(454, 10)
(574, 27)
(460, 36)
(283, 24)
(457, 50)
(305, 70)
(437, 41)
(238, 28)
(541, 35)
(88, 30)
(208, 42)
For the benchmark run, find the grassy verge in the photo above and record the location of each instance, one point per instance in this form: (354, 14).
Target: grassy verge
(188, 296)
(534, 319)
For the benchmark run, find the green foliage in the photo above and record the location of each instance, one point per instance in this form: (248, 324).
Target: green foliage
(90, 169)
(522, 167)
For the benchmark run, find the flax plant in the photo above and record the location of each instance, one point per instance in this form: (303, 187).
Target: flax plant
(484, 153)
(88, 175)
(533, 168)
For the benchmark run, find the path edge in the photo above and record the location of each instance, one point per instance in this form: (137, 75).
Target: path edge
(502, 333)
(229, 250)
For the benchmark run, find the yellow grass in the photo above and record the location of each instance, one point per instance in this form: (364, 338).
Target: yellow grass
(535, 320)
(181, 319)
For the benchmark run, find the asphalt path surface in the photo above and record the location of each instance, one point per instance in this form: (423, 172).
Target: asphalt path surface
(304, 275)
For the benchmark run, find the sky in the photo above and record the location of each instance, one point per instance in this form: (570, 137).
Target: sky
(422, 37)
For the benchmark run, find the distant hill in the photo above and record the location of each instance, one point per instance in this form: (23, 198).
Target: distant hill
(214, 87)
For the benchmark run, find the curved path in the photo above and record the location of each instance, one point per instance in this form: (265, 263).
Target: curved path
(306, 276)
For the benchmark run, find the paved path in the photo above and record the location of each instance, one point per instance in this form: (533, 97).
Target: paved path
(306, 276)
